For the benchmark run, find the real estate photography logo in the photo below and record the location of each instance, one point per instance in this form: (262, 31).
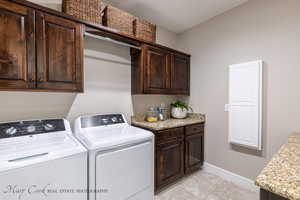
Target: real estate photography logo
(22, 192)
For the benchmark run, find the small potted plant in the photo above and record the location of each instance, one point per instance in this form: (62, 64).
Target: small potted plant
(179, 110)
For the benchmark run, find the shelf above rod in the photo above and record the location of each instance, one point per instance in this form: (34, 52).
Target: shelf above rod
(111, 40)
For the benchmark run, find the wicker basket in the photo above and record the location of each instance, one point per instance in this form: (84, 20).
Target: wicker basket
(89, 10)
(144, 30)
(118, 19)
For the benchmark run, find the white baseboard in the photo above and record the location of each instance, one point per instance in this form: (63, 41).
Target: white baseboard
(232, 177)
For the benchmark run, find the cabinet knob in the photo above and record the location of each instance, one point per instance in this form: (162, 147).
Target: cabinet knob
(40, 79)
(5, 61)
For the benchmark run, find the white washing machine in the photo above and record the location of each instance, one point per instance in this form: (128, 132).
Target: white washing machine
(121, 158)
(41, 160)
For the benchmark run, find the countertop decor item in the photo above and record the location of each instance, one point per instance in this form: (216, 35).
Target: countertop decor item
(179, 109)
(282, 175)
(162, 112)
(152, 115)
(169, 123)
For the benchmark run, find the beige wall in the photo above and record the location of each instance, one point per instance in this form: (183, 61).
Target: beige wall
(107, 86)
(166, 37)
(108, 83)
(260, 29)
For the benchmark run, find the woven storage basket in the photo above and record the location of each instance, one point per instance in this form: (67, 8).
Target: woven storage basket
(89, 10)
(144, 30)
(118, 19)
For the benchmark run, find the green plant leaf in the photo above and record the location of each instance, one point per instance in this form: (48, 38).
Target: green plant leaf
(182, 105)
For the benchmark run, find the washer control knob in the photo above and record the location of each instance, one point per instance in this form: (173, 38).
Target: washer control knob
(104, 121)
(11, 131)
(121, 119)
(114, 120)
(31, 129)
(49, 127)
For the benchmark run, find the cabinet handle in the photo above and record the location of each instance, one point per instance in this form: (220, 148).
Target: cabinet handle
(5, 61)
(40, 80)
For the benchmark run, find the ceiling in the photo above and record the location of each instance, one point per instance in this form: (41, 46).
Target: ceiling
(176, 15)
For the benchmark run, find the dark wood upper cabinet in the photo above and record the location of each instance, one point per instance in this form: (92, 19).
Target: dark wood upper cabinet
(42, 50)
(17, 47)
(180, 74)
(39, 51)
(159, 71)
(59, 53)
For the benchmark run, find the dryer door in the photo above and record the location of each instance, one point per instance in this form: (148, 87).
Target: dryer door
(124, 173)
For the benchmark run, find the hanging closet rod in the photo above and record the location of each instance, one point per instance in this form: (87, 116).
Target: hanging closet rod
(111, 40)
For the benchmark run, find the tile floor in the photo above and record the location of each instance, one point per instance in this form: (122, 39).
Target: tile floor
(205, 186)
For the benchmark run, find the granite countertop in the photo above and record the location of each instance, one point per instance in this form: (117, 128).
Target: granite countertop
(282, 174)
(169, 123)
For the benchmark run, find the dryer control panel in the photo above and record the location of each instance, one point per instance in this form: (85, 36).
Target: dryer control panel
(101, 120)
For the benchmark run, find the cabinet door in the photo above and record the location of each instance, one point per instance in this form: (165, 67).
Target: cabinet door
(180, 74)
(157, 73)
(194, 156)
(266, 195)
(17, 46)
(59, 54)
(169, 163)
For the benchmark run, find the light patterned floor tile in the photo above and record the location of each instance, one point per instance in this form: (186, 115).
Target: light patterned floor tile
(205, 186)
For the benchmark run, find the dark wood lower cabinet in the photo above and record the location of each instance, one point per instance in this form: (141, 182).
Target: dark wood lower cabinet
(169, 157)
(266, 195)
(194, 152)
(178, 152)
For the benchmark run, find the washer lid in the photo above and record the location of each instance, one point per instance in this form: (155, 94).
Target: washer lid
(29, 142)
(28, 150)
(108, 137)
(15, 148)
